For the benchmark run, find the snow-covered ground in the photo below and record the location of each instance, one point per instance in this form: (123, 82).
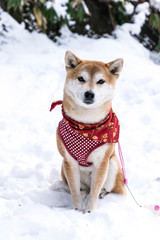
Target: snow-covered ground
(34, 202)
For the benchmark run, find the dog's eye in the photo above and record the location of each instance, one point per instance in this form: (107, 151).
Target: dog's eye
(101, 81)
(81, 79)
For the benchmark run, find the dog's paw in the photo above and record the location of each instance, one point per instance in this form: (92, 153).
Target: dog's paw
(78, 209)
(89, 209)
(86, 211)
(77, 203)
(91, 204)
(103, 193)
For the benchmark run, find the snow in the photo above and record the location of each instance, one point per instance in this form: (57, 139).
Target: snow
(59, 6)
(155, 4)
(35, 203)
(142, 11)
(129, 8)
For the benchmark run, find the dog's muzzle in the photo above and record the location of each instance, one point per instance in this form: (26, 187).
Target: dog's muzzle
(88, 97)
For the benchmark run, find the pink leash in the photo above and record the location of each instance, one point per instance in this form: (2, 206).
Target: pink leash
(124, 172)
(153, 208)
(122, 163)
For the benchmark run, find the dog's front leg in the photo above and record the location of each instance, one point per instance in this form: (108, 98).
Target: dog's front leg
(72, 175)
(98, 178)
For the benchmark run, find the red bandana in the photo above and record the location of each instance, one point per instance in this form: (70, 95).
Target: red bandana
(81, 139)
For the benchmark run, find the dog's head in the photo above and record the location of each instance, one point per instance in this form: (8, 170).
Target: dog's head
(90, 83)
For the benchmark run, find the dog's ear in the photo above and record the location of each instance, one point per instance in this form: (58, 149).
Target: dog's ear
(71, 60)
(115, 67)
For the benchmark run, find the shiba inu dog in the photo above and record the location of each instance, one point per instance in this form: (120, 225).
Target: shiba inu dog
(87, 135)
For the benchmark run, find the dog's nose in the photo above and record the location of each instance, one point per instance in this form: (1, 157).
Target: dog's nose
(89, 96)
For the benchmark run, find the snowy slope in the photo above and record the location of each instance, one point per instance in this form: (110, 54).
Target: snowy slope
(34, 202)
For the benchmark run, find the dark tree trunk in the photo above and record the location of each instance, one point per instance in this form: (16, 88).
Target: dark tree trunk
(101, 20)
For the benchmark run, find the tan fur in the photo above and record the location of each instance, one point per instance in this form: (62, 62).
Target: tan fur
(63, 175)
(119, 182)
(92, 67)
(95, 175)
(101, 171)
(99, 179)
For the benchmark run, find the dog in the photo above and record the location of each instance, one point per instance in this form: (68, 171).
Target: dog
(89, 130)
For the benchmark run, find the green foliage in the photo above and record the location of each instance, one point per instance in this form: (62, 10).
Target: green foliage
(76, 13)
(80, 12)
(50, 14)
(154, 20)
(120, 12)
(103, 17)
(53, 22)
(15, 4)
(45, 18)
(157, 48)
(76, 18)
